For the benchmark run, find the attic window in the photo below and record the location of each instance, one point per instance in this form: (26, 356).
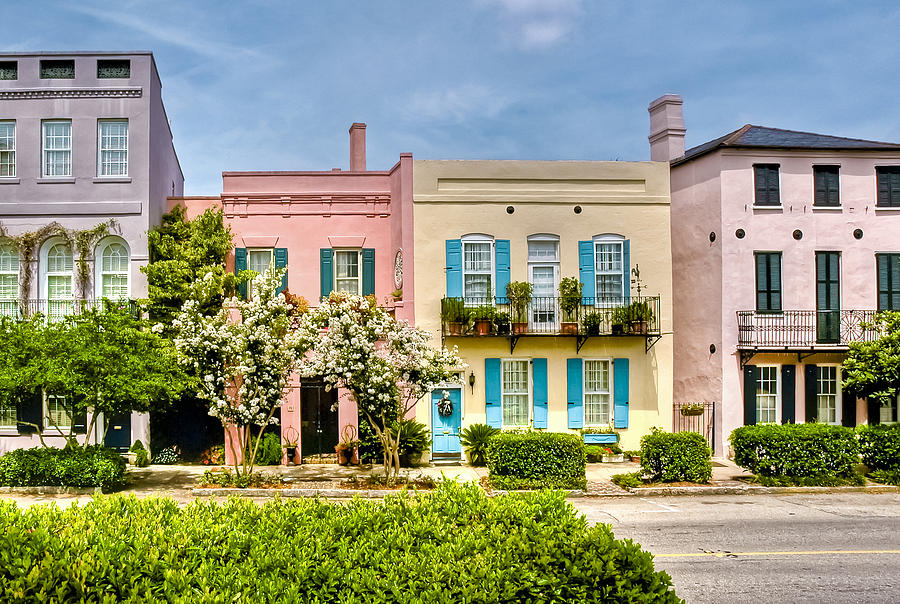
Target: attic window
(113, 68)
(58, 69)
(9, 70)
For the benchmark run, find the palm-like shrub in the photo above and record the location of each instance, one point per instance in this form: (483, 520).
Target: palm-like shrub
(475, 439)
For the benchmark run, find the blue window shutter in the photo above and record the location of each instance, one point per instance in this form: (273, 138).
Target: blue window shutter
(539, 379)
(454, 268)
(240, 264)
(281, 262)
(326, 271)
(368, 271)
(620, 393)
(501, 270)
(586, 271)
(492, 392)
(626, 269)
(575, 393)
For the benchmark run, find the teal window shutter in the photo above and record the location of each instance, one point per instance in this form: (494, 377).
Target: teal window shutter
(240, 264)
(620, 393)
(501, 270)
(586, 271)
(454, 268)
(368, 271)
(575, 393)
(751, 379)
(626, 270)
(492, 393)
(326, 271)
(281, 262)
(539, 379)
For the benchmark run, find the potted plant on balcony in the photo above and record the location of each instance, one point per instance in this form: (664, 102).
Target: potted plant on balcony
(592, 322)
(569, 299)
(618, 318)
(640, 314)
(519, 295)
(484, 319)
(502, 322)
(454, 315)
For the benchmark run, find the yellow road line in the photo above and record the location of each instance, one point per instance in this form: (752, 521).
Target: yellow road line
(824, 552)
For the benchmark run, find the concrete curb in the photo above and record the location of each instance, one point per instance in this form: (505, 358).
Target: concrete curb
(325, 493)
(50, 490)
(756, 490)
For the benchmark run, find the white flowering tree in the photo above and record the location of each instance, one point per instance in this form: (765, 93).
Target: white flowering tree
(385, 365)
(243, 356)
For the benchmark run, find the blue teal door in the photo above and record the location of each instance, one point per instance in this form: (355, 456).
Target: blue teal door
(445, 428)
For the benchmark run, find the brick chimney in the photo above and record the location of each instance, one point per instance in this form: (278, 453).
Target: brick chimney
(666, 128)
(357, 147)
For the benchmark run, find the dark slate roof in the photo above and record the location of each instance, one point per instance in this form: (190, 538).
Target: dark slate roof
(776, 138)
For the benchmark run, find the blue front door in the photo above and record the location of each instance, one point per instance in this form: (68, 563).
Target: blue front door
(445, 428)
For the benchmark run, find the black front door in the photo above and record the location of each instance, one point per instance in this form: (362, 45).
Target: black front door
(828, 297)
(118, 435)
(318, 423)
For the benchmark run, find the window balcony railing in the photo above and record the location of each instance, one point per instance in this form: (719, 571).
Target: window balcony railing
(55, 309)
(496, 316)
(805, 329)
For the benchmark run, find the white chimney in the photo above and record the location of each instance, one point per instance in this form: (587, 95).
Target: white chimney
(357, 147)
(666, 128)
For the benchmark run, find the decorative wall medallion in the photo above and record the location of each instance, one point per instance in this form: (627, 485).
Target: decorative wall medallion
(398, 270)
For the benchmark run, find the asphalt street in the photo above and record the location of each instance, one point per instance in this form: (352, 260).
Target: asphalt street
(786, 548)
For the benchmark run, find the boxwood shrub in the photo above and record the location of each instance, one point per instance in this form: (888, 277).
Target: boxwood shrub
(524, 460)
(880, 447)
(675, 457)
(796, 450)
(94, 466)
(454, 544)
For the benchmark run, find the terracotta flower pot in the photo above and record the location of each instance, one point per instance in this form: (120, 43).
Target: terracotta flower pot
(519, 328)
(342, 456)
(569, 329)
(483, 327)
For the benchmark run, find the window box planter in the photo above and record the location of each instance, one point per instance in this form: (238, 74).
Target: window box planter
(608, 438)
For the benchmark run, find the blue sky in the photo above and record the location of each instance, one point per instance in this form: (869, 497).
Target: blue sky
(272, 85)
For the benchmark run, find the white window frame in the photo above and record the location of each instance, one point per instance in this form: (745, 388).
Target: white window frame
(257, 250)
(623, 273)
(530, 392)
(100, 274)
(48, 425)
(9, 305)
(837, 393)
(891, 414)
(544, 312)
(585, 392)
(778, 392)
(57, 306)
(10, 151)
(45, 150)
(9, 417)
(101, 150)
(359, 270)
(491, 272)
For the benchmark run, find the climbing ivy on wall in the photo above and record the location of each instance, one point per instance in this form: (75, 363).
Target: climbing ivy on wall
(81, 242)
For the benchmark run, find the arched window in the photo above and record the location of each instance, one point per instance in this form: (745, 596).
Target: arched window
(60, 280)
(114, 270)
(9, 279)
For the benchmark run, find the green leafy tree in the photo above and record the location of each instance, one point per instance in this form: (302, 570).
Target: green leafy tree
(103, 361)
(872, 369)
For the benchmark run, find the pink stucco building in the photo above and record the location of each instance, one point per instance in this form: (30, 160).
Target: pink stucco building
(334, 230)
(783, 242)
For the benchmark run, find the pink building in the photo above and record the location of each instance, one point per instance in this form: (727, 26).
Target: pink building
(783, 242)
(336, 230)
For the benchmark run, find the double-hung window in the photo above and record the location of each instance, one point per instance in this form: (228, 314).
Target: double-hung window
(767, 394)
(609, 270)
(888, 268)
(57, 148)
(888, 178)
(60, 292)
(766, 185)
(827, 183)
(888, 410)
(768, 281)
(258, 261)
(114, 269)
(347, 273)
(7, 149)
(515, 392)
(58, 415)
(543, 274)
(112, 147)
(9, 275)
(478, 268)
(828, 389)
(598, 408)
(8, 416)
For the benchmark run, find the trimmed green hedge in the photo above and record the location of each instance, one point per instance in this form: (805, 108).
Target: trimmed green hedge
(880, 447)
(682, 456)
(524, 460)
(95, 466)
(796, 450)
(451, 545)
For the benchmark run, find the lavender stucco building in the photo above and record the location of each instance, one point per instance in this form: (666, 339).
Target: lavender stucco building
(84, 138)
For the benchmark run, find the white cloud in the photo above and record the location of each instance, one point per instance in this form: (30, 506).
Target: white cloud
(537, 24)
(459, 104)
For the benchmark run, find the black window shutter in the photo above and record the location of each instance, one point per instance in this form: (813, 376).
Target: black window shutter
(881, 262)
(775, 282)
(79, 421)
(788, 394)
(833, 187)
(893, 271)
(821, 189)
(848, 410)
(31, 410)
(894, 185)
(883, 186)
(751, 378)
(774, 197)
(760, 178)
(810, 390)
(762, 278)
(873, 410)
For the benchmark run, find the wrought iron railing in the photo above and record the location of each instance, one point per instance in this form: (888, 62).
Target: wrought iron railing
(55, 309)
(549, 315)
(805, 328)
